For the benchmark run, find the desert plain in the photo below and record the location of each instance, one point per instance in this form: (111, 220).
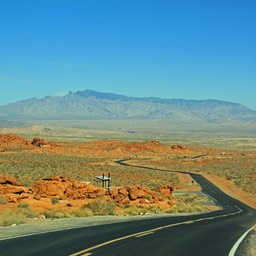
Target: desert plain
(54, 170)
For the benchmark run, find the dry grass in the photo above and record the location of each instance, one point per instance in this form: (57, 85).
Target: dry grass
(13, 216)
(101, 207)
(188, 203)
(30, 166)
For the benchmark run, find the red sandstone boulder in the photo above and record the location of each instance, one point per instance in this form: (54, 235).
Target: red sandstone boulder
(4, 179)
(63, 187)
(66, 188)
(38, 142)
(133, 192)
(123, 191)
(53, 186)
(126, 201)
(179, 147)
(9, 189)
(166, 189)
(12, 189)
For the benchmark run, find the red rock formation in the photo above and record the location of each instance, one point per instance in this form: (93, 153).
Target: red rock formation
(66, 188)
(180, 147)
(39, 142)
(141, 194)
(165, 190)
(4, 179)
(12, 189)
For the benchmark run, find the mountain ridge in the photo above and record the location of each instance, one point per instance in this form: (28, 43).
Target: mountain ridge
(90, 104)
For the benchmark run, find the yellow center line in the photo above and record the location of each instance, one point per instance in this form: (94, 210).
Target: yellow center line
(147, 232)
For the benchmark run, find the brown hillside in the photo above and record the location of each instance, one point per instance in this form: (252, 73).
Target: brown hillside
(13, 141)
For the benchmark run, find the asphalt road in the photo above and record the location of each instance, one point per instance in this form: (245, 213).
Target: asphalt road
(210, 234)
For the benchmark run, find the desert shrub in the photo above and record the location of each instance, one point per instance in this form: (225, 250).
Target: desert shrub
(101, 207)
(191, 198)
(55, 200)
(3, 200)
(199, 208)
(186, 208)
(59, 214)
(132, 210)
(174, 209)
(9, 217)
(83, 212)
(23, 206)
(26, 210)
(154, 209)
(56, 214)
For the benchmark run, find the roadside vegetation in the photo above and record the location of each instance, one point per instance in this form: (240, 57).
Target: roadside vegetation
(16, 216)
(25, 214)
(189, 203)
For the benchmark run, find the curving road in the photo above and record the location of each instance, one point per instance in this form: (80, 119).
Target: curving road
(211, 234)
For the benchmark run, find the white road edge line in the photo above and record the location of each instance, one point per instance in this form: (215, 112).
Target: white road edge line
(239, 241)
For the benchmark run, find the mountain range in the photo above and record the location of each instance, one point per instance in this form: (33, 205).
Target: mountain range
(89, 104)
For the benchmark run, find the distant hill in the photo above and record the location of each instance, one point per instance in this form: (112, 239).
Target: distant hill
(90, 104)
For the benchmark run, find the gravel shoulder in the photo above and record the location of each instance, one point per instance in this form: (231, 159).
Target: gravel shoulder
(248, 246)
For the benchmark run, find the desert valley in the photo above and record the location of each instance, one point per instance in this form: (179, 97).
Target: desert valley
(157, 159)
(58, 179)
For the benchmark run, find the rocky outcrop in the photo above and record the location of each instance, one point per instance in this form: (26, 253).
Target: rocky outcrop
(41, 143)
(38, 142)
(180, 147)
(12, 189)
(166, 190)
(141, 194)
(64, 187)
(4, 180)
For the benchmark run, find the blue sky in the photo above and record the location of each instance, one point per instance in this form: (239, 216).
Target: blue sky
(190, 49)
